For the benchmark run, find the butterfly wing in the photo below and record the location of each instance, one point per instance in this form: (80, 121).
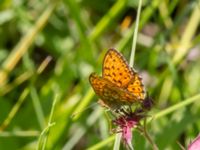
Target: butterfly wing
(119, 84)
(98, 84)
(102, 88)
(136, 86)
(111, 95)
(116, 69)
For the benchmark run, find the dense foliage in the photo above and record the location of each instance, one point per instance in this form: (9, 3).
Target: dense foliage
(49, 48)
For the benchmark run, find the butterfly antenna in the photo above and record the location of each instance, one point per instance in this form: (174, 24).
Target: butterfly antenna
(86, 108)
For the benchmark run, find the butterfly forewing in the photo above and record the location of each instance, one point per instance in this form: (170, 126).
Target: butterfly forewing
(116, 69)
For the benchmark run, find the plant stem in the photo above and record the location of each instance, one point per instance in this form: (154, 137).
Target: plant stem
(135, 35)
(148, 137)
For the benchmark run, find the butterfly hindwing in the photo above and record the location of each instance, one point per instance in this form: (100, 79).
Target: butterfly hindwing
(136, 86)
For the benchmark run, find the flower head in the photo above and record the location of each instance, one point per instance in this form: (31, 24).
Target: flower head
(195, 145)
(125, 123)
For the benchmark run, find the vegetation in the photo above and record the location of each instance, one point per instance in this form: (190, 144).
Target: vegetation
(49, 48)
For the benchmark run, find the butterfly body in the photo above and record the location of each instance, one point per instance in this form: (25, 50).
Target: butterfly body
(120, 84)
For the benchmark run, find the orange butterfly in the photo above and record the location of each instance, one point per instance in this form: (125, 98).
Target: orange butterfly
(119, 85)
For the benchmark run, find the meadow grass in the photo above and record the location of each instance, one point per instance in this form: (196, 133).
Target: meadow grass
(49, 48)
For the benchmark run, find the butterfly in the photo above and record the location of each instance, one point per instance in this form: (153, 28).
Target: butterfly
(119, 84)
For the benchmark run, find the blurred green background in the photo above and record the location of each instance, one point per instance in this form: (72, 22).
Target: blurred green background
(49, 48)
